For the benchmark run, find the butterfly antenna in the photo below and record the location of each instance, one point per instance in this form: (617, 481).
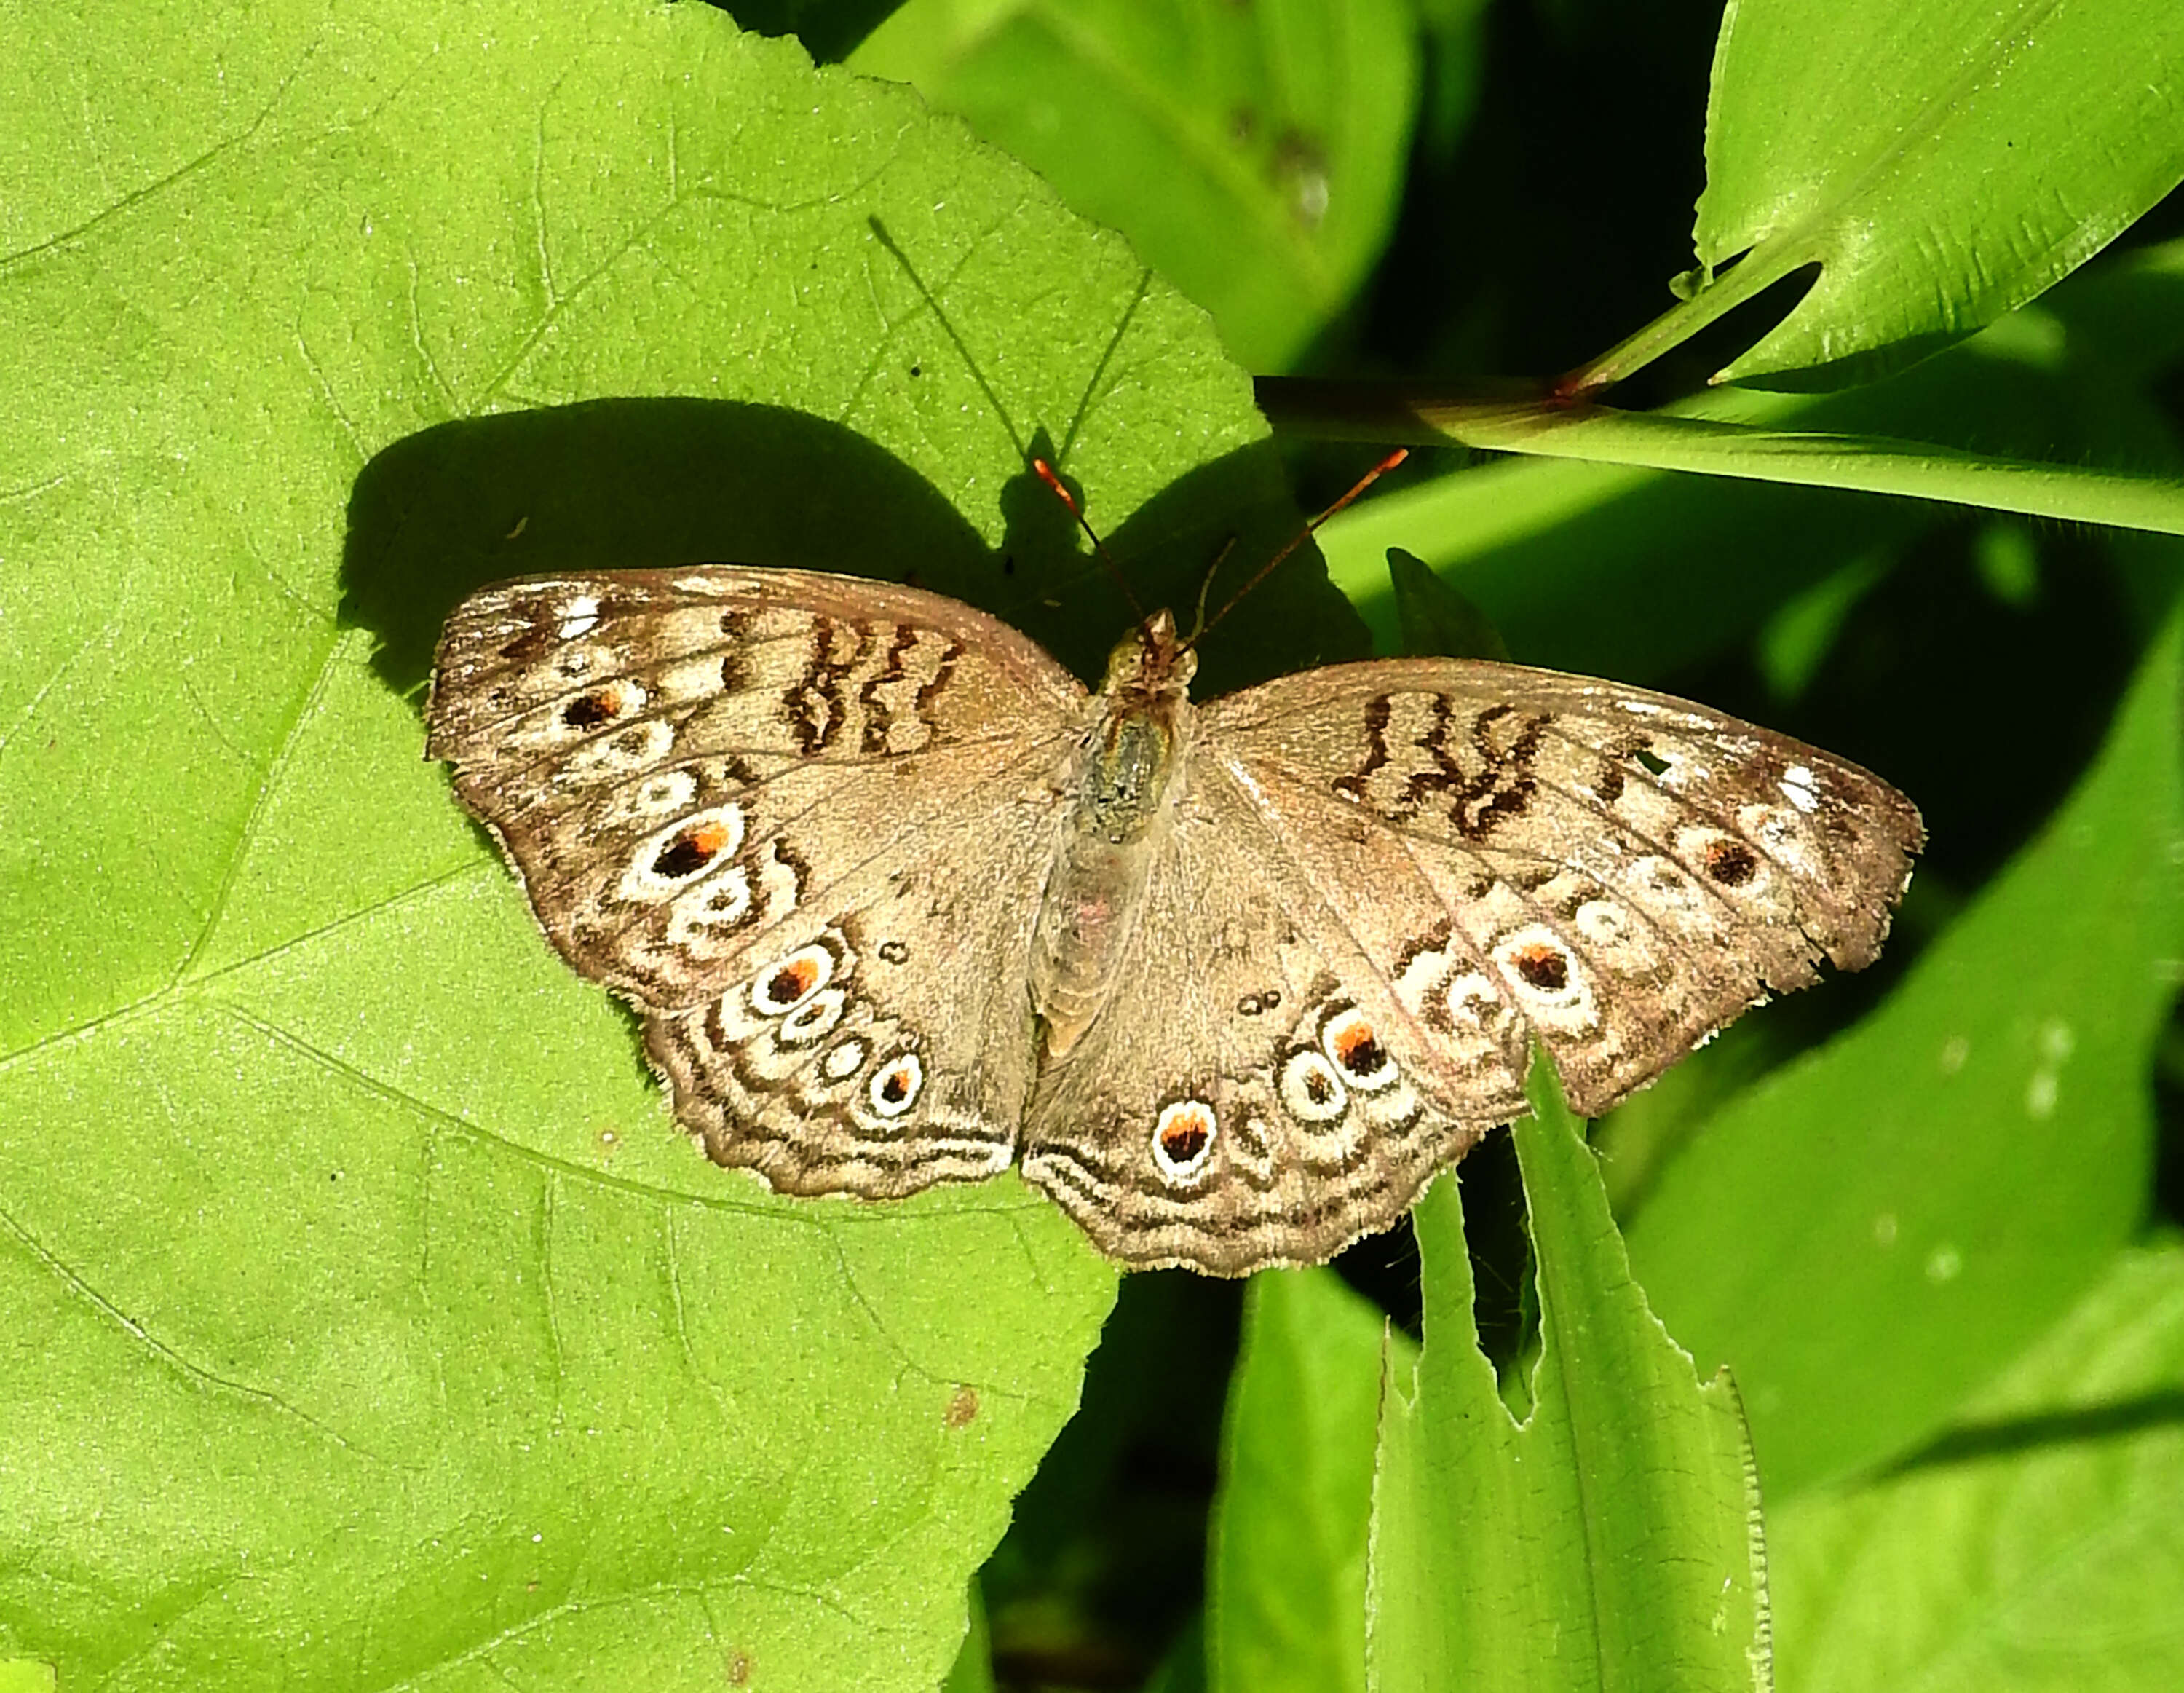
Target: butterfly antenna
(1205, 588)
(1046, 474)
(1303, 535)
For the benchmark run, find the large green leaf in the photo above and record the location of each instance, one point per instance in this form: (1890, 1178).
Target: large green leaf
(2036, 1547)
(1610, 1540)
(1254, 153)
(1868, 1235)
(366, 1319)
(1941, 163)
(1286, 1605)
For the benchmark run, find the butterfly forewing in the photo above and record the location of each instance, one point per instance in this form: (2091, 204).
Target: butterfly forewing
(679, 761)
(1614, 871)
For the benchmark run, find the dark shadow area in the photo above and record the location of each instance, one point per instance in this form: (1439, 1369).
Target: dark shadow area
(2117, 1420)
(830, 30)
(632, 484)
(1385, 1268)
(639, 485)
(1550, 229)
(1104, 1563)
(1497, 1236)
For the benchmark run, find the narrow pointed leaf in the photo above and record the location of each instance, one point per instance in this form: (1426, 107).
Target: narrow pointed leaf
(1286, 1604)
(1611, 1541)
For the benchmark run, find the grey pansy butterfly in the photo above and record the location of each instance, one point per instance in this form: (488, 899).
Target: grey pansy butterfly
(901, 904)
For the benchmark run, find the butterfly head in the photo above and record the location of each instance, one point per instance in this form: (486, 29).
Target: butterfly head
(1152, 663)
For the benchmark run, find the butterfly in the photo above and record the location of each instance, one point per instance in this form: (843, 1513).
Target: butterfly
(900, 901)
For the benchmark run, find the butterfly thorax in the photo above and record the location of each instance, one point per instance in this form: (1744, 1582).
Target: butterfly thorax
(1124, 782)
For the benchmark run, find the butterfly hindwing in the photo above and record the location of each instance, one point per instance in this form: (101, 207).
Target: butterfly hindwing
(1253, 1091)
(881, 1042)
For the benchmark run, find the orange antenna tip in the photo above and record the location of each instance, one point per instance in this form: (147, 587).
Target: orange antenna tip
(1047, 474)
(1305, 534)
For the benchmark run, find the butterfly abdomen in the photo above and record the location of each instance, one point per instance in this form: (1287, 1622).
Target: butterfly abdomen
(1125, 783)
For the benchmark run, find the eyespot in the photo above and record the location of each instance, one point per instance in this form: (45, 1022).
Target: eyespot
(697, 842)
(589, 711)
(1547, 980)
(668, 792)
(603, 705)
(1183, 1138)
(814, 1019)
(1312, 1088)
(1601, 921)
(1348, 1040)
(784, 985)
(1541, 966)
(1472, 1000)
(608, 757)
(896, 1084)
(1661, 884)
(722, 906)
(669, 859)
(1729, 861)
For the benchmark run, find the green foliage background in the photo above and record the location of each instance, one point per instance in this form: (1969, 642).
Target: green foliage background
(363, 1321)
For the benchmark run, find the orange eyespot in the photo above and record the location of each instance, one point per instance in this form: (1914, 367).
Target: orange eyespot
(1183, 1132)
(792, 982)
(787, 983)
(1184, 1139)
(1730, 862)
(896, 1087)
(589, 711)
(692, 850)
(1545, 967)
(1357, 1051)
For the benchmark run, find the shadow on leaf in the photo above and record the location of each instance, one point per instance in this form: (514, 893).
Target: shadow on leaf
(636, 484)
